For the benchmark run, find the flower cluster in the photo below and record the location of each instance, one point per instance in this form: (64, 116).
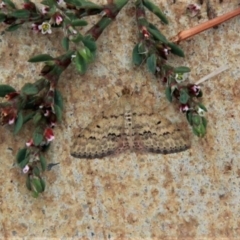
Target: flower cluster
(193, 10)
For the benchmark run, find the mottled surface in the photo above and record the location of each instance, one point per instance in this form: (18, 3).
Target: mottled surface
(190, 195)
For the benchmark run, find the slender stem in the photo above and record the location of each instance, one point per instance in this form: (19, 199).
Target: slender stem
(212, 74)
(183, 35)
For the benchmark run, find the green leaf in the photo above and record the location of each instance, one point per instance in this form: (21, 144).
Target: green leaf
(36, 171)
(35, 194)
(49, 3)
(204, 122)
(65, 43)
(199, 131)
(2, 17)
(28, 117)
(41, 58)
(36, 185)
(137, 58)
(28, 183)
(37, 136)
(155, 9)
(142, 49)
(43, 184)
(23, 163)
(196, 119)
(202, 107)
(175, 49)
(182, 69)
(13, 28)
(29, 89)
(20, 14)
(58, 112)
(58, 99)
(158, 35)
(19, 123)
(79, 23)
(189, 116)
(37, 117)
(81, 64)
(6, 89)
(89, 42)
(43, 162)
(86, 54)
(151, 63)
(184, 97)
(21, 155)
(10, 4)
(168, 93)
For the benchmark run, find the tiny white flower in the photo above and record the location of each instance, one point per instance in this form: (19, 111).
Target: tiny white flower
(45, 27)
(26, 169)
(180, 77)
(61, 3)
(11, 121)
(200, 111)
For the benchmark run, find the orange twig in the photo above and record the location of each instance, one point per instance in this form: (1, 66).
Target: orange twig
(183, 35)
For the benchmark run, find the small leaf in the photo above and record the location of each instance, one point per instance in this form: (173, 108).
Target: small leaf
(137, 58)
(41, 58)
(43, 162)
(36, 185)
(81, 65)
(19, 123)
(10, 4)
(184, 97)
(58, 112)
(20, 14)
(155, 9)
(182, 69)
(28, 117)
(175, 49)
(65, 43)
(2, 17)
(89, 42)
(151, 63)
(21, 155)
(6, 89)
(36, 171)
(43, 184)
(204, 122)
(58, 99)
(168, 93)
(86, 54)
(29, 89)
(35, 194)
(196, 119)
(23, 163)
(37, 136)
(199, 131)
(79, 23)
(158, 35)
(13, 28)
(37, 117)
(28, 183)
(189, 115)
(202, 107)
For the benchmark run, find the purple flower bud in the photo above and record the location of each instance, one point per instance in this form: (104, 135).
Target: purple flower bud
(184, 108)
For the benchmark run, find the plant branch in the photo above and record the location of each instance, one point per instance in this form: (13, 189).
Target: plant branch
(183, 35)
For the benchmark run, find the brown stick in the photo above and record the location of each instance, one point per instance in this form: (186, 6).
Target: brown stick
(183, 35)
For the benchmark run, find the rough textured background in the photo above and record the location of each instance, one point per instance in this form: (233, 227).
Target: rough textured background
(191, 195)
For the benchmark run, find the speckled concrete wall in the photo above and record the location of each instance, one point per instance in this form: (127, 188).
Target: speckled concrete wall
(190, 195)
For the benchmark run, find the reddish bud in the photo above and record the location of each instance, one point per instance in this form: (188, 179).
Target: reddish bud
(11, 96)
(48, 134)
(184, 108)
